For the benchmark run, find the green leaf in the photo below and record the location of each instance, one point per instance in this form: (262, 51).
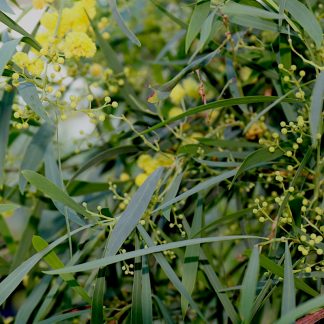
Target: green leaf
(98, 263)
(206, 30)
(29, 305)
(147, 311)
(169, 271)
(105, 155)
(133, 213)
(235, 9)
(163, 310)
(279, 271)
(11, 282)
(53, 191)
(217, 286)
(170, 15)
(303, 309)
(305, 18)
(29, 93)
(171, 193)
(122, 24)
(315, 113)
(36, 151)
(63, 317)
(191, 257)
(5, 115)
(256, 158)
(288, 297)
(256, 22)
(197, 19)
(53, 174)
(54, 261)
(136, 310)
(207, 184)
(5, 7)
(216, 104)
(249, 285)
(6, 51)
(14, 26)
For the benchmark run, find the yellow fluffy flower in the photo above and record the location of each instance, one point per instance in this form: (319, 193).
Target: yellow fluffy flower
(177, 94)
(144, 160)
(96, 70)
(36, 67)
(21, 59)
(78, 44)
(191, 88)
(49, 21)
(140, 179)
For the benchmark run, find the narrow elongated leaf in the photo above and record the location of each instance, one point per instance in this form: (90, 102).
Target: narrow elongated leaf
(53, 191)
(29, 93)
(105, 155)
(288, 296)
(147, 311)
(36, 151)
(235, 9)
(13, 25)
(303, 309)
(95, 264)
(315, 117)
(170, 15)
(217, 286)
(163, 310)
(63, 317)
(54, 262)
(191, 257)
(23, 249)
(125, 225)
(6, 52)
(257, 23)
(5, 115)
(32, 301)
(133, 213)
(121, 23)
(216, 104)
(11, 282)
(205, 33)
(305, 18)
(197, 19)
(256, 158)
(207, 184)
(276, 269)
(249, 285)
(53, 174)
(234, 86)
(169, 271)
(136, 311)
(171, 193)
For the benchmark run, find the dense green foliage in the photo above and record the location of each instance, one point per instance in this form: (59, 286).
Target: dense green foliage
(160, 161)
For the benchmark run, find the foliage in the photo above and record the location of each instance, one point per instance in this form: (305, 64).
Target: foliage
(161, 161)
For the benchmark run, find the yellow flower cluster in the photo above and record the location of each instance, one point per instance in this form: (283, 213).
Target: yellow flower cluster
(149, 164)
(68, 30)
(78, 44)
(34, 66)
(189, 87)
